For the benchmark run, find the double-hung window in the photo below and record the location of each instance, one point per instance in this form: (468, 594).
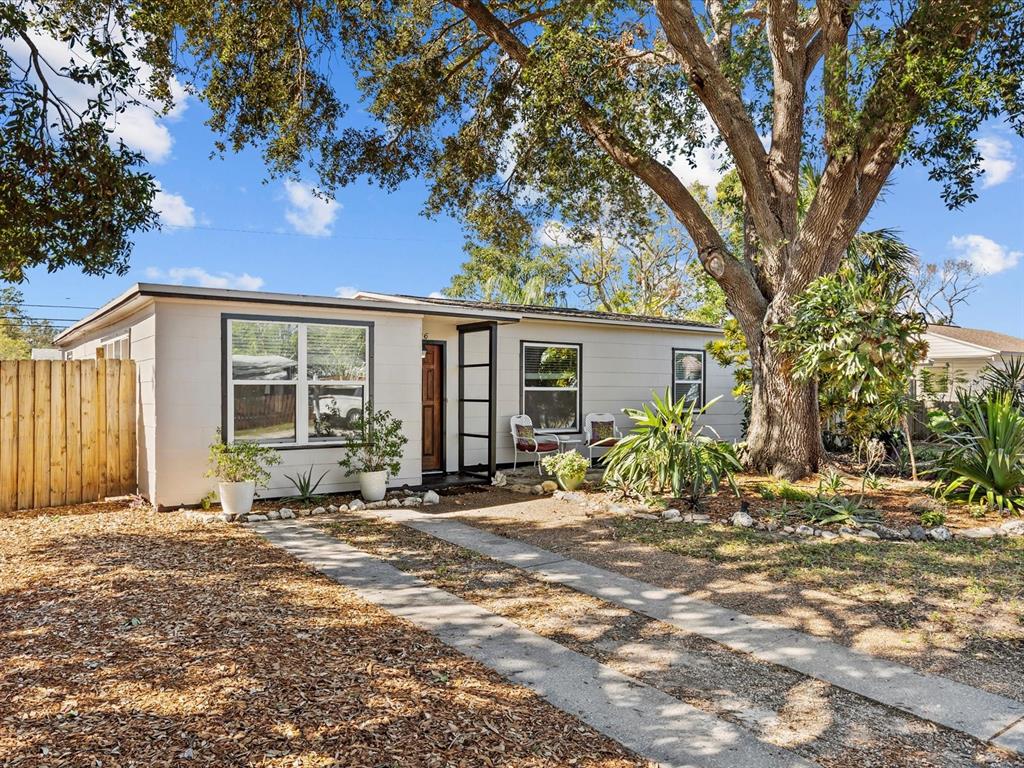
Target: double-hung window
(295, 382)
(688, 375)
(551, 385)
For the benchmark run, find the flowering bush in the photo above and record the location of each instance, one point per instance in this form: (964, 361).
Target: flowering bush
(571, 465)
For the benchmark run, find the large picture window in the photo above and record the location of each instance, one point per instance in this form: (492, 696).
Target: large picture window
(295, 383)
(688, 375)
(551, 385)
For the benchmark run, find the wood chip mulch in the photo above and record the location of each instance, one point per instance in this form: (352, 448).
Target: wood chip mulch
(129, 638)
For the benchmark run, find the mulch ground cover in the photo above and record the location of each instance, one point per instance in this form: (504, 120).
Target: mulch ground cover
(832, 727)
(129, 638)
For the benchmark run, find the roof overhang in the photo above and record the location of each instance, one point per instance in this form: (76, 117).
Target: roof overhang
(141, 294)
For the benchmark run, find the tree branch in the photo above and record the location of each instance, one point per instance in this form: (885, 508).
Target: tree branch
(713, 252)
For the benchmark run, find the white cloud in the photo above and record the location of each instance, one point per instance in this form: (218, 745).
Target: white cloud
(552, 234)
(436, 295)
(140, 125)
(199, 276)
(307, 213)
(986, 256)
(345, 291)
(997, 160)
(173, 209)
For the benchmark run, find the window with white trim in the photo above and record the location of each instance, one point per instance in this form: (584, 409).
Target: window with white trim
(688, 375)
(115, 347)
(551, 385)
(295, 383)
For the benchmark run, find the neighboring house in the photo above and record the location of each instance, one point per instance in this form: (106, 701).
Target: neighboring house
(956, 356)
(293, 370)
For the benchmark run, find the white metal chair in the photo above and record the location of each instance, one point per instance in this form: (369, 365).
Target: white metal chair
(526, 440)
(600, 431)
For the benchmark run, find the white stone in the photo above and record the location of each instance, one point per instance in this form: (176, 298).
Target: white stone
(537, 490)
(356, 504)
(256, 518)
(274, 514)
(1012, 528)
(412, 501)
(549, 486)
(828, 535)
(940, 533)
(287, 514)
(803, 530)
(392, 503)
(670, 514)
(226, 517)
(743, 520)
(342, 508)
(431, 497)
(332, 509)
(377, 504)
(977, 533)
(867, 533)
(499, 479)
(319, 511)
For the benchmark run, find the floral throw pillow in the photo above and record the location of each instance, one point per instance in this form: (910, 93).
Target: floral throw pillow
(525, 432)
(602, 430)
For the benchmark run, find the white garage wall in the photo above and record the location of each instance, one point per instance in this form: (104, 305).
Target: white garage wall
(189, 395)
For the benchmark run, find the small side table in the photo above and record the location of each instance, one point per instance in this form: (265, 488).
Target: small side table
(569, 443)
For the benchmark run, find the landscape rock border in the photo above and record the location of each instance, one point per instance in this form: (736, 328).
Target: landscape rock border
(394, 500)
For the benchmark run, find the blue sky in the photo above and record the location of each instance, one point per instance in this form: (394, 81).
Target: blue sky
(230, 228)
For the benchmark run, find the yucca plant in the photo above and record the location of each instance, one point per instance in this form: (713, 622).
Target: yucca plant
(666, 449)
(983, 456)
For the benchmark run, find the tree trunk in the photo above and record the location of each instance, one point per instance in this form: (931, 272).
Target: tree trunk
(784, 435)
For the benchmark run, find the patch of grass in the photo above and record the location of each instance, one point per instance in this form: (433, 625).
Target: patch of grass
(952, 570)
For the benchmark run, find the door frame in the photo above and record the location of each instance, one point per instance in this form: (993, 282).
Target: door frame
(443, 345)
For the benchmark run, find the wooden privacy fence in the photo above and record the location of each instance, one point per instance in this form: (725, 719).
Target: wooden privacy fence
(67, 431)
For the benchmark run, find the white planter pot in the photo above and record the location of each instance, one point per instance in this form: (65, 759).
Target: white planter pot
(373, 485)
(236, 498)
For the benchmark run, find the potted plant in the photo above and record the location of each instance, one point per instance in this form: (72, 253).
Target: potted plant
(378, 455)
(240, 467)
(569, 468)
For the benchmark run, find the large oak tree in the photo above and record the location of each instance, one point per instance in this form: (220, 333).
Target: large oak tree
(520, 111)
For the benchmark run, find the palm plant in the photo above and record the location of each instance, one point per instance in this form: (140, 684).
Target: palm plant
(1006, 377)
(667, 449)
(983, 454)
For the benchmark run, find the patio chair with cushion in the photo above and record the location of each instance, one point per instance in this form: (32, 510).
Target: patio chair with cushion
(600, 432)
(526, 440)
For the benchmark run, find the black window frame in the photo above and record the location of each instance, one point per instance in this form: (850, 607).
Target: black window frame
(226, 379)
(523, 344)
(703, 373)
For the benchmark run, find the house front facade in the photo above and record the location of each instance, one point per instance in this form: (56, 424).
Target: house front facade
(957, 356)
(293, 371)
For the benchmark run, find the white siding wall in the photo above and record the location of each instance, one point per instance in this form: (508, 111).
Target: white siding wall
(622, 366)
(142, 329)
(189, 395)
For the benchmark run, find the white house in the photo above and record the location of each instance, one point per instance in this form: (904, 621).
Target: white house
(956, 356)
(291, 370)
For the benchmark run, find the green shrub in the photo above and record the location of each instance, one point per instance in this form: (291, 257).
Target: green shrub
(241, 461)
(933, 517)
(571, 465)
(381, 447)
(983, 456)
(783, 490)
(831, 483)
(667, 450)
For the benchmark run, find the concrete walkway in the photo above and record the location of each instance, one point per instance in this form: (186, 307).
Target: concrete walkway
(985, 716)
(653, 724)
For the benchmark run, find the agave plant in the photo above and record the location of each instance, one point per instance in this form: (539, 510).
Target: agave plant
(666, 449)
(983, 456)
(1007, 377)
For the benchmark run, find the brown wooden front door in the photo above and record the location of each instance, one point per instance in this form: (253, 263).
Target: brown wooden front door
(433, 407)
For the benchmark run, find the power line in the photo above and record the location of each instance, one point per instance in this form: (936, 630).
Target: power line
(302, 234)
(57, 306)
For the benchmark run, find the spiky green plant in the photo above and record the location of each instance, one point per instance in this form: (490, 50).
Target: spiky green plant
(667, 449)
(983, 456)
(305, 488)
